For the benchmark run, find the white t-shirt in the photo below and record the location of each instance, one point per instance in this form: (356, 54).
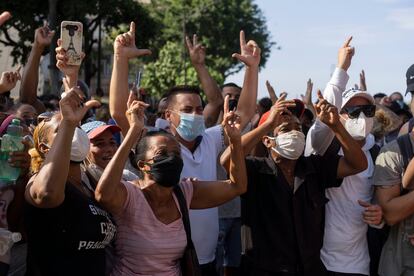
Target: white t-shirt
(345, 247)
(202, 164)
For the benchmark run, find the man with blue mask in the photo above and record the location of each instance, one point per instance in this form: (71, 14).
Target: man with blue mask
(200, 147)
(349, 210)
(283, 208)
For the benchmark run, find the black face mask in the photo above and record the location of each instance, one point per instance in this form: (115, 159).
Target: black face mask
(166, 170)
(233, 104)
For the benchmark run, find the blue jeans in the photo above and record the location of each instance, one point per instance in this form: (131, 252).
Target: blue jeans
(229, 243)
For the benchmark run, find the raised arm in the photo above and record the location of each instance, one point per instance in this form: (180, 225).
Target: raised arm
(307, 98)
(362, 81)
(320, 136)
(250, 56)
(354, 159)
(110, 192)
(209, 194)
(47, 190)
(28, 90)
(408, 177)
(252, 138)
(124, 50)
(211, 89)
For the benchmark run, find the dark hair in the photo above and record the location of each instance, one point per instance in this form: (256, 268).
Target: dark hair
(307, 113)
(142, 146)
(265, 103)
(379, 95)
(230, 84)
(182, 89)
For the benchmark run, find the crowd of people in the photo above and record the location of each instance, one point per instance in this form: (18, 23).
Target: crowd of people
(228, 186)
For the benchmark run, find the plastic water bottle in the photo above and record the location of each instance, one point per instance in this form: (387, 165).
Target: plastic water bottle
(10, 142)
(7, 239)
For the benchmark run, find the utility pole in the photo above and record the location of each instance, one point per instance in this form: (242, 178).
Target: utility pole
(53, 72)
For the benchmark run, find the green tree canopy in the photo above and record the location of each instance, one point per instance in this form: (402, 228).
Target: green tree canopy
(30, 14)
(217, 24)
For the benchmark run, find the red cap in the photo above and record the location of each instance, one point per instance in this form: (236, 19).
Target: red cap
(101, 129)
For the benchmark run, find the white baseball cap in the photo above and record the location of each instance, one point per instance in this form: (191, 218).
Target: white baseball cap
(351, 93)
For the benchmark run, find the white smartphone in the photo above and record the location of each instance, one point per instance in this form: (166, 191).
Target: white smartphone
(71, 33)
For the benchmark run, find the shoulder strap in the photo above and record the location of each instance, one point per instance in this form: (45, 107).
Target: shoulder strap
(184, 213)
(410, 125)
(406, 148)
(374, 151)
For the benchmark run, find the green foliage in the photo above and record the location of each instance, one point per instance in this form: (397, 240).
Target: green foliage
(168, 70)
(217, 23)
(30, 14)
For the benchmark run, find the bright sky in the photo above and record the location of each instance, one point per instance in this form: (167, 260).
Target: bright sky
(310, 33)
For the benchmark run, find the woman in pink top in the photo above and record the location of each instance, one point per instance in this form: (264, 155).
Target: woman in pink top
(150, 237)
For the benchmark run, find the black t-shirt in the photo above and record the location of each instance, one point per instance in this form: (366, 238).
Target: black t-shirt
(287, 223)
(69, 239)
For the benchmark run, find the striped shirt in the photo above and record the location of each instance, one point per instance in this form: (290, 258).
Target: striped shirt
(143, 244)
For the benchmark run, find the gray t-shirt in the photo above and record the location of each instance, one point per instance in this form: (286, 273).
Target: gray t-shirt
(397, 256)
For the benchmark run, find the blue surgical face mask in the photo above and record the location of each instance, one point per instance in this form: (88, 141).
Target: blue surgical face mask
(191, 126)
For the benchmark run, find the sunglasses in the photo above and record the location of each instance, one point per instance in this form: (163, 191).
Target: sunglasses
(354, 111)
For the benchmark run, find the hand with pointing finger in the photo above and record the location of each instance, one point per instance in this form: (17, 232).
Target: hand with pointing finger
(345, 54)
(362, 82)
(196, 50)
(72, 106)
(278, 109)
(372, 213)
(326, 112)
(307, 98)
(271, 91)
(124, 45)
(4, 16)
(43, 37)
(249, 52)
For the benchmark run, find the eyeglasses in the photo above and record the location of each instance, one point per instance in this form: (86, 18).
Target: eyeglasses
(354, 111)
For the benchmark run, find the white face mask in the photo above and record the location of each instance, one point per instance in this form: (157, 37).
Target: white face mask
(80, 146)
(360, 127)
(290, 145)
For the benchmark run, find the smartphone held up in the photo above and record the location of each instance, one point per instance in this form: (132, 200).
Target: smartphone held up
(71, 35)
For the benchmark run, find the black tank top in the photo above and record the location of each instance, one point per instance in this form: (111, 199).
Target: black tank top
(69, 239)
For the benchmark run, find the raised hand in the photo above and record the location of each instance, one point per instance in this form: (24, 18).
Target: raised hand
(72, 106)
(62, 61)
(345, 54)
(307, 98)
(278, 109)
(135, 112)
(372, 213)
(9, 79)
(4, 16)
(231, 123)
(271, 91)
(43, 36)
(362, 82)
(124, 45)
(196, 50)
(326, 112)
(249, 52)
